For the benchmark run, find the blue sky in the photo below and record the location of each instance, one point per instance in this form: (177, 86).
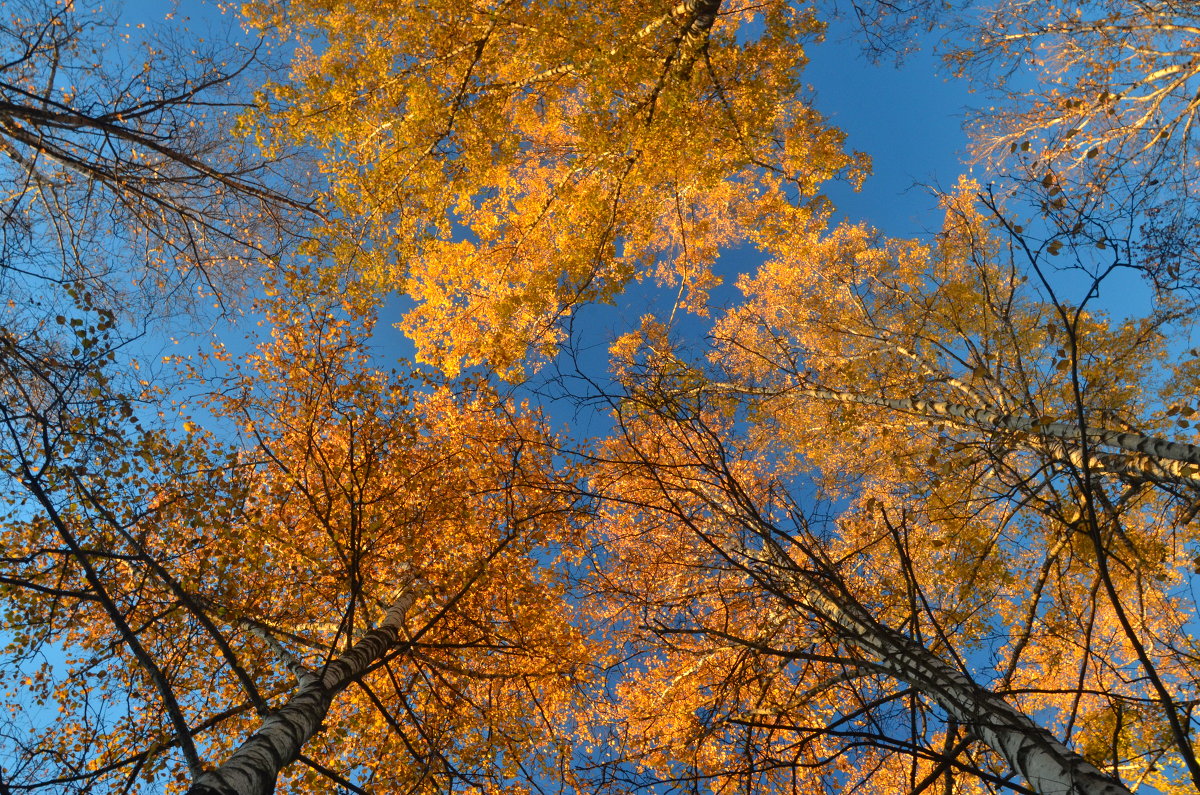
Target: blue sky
(907, 118)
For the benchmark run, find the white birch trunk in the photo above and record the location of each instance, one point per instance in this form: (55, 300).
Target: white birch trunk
(1033, 753)
(1145, 455)
(1047, 765)
(253, 768)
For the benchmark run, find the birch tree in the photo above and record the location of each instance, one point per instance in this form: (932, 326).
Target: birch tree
(121, 172)
(364, 562)
(164, 589)
(947, 383)
(774, 674)
(1115, 84)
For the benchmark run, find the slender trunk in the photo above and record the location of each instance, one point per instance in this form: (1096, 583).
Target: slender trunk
(1048, 766)
(696, 17)
(1032, 752)
(253, 768)
(1145, 455)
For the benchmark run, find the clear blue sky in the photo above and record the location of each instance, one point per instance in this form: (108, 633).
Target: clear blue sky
(907, 118)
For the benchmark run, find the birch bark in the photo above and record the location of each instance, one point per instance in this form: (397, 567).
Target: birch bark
(1048, 766)
(1032, 752)
(253, 768)
(1146, 455)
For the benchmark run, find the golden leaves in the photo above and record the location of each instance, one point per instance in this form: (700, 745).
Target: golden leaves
(507, 167)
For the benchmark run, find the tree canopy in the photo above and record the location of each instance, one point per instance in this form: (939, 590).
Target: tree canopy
(899, 515)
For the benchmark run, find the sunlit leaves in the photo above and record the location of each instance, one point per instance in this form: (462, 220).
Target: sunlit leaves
(504, 164)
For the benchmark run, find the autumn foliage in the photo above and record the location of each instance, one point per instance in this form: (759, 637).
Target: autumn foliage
(905, 515)
(502, 165)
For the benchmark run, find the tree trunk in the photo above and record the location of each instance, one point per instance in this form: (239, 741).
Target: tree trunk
(1148, 456)
(1032, 752)
(1048, 766)
(254, 767)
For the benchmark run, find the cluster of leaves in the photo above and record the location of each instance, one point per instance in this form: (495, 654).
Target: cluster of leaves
(470, 145)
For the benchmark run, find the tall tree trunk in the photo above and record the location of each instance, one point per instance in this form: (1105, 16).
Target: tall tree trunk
(1048, 766)
(1032, 752)
(254, 767)
(1148, 456)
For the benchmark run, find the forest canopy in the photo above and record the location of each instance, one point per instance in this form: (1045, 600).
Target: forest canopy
(690, 483)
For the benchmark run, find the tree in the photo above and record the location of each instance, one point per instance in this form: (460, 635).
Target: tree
(943, 385)
(772, 674)
(1117, 86)
(1089, 108)
(376, 543)
(126, 200)
(123, 175)
(127, 539)
(370, 482)
(850, 351)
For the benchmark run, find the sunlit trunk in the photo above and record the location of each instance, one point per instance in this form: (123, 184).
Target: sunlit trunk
(1048, 766)
(253, 768)
(1145, 455)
